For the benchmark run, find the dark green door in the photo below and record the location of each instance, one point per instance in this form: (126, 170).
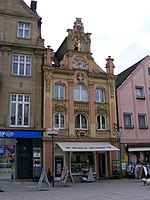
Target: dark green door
(24, 161)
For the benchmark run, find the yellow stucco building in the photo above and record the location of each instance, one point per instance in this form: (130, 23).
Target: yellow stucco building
(79, 100)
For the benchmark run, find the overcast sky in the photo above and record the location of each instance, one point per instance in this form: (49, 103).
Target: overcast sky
(120, 28)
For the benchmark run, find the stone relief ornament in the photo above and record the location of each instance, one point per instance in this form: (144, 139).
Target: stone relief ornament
(47, 77)
(64, 62)
(80, 77)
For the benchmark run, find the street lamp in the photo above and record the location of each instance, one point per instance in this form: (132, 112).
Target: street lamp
(51, 132)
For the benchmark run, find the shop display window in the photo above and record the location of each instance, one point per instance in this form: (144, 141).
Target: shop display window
(81, 161)
(139, 157)
(7, 162)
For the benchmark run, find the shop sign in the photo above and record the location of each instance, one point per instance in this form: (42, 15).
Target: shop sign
(90, 147)
(8, 134)
(20, 134)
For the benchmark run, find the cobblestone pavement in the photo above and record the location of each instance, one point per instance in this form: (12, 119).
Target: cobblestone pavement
(109, 189)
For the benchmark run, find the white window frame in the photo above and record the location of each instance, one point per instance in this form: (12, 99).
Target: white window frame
(21, 65)
(81, 123)
(142, 121)
(24, 30)
(19, 110)
(80, 93)
(100, 95)
(128, 120)
(59, 120)
(59, 91)
(101, 122)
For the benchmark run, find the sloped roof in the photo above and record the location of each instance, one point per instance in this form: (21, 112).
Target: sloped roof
(126, 73)
(59, 54)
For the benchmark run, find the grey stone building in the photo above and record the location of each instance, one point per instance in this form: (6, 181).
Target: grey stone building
(21, 60)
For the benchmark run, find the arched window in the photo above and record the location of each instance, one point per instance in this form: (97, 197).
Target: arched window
(101, 122)
(80, 122)
(79, 64)
(82, 65)
(80, 93)
(59, 120)
(75, 64)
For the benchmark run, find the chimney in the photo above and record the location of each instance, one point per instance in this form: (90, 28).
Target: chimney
(33, 5)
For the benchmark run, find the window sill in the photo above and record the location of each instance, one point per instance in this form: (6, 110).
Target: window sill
(140, 98)
(146, 127)
(24, 38)
(129, 127)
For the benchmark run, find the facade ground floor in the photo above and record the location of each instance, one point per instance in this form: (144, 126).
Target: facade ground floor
(23, 155)
(135, 156)
(79, 157)
(20, 154)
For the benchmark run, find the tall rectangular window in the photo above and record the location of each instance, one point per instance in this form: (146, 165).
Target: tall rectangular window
(59, 120)
(21, 65)
(101, 122)
(19, 110)
(149, 93)
(24, 30)
(142, 121)
(59, 91)
(99, 95)
(128, 122)
(148, 71)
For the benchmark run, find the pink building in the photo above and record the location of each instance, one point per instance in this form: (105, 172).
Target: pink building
(133, 96)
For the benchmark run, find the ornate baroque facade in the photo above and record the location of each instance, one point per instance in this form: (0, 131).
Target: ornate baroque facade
(79, 99)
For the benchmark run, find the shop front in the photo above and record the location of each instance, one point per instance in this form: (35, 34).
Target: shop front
(80, 157)
(137, 157)
(20, 151)
(7, 158)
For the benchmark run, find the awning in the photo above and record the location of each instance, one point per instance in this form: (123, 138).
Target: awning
(139, 149)
(86, 146)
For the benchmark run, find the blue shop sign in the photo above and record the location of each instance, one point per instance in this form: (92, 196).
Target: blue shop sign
(20, 134)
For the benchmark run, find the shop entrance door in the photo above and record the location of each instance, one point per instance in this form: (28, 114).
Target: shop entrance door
(24, 155)
(102, 164)
(59, 163)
